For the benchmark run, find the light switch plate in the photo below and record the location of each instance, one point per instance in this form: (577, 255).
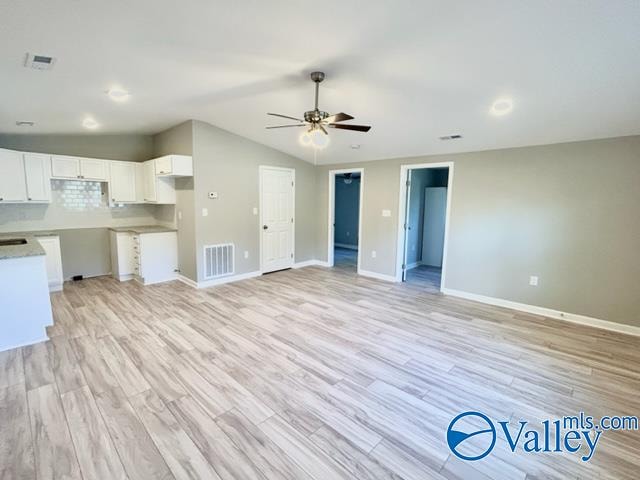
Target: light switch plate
(386, 213)
(373, 254)
(180, 215)
(255, 210)
(533, 280)
(205, 212)
(246, 254)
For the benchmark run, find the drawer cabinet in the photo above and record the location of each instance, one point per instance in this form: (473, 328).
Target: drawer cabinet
(148, 257)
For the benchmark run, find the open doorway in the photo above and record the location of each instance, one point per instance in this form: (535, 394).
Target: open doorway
(345, 208)
(424, 208)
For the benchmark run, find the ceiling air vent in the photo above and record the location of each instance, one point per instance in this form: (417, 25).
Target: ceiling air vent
(39, 62)
(455, 136)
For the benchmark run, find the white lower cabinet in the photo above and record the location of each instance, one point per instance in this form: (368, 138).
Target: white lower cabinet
(146, 257)
(53, 260)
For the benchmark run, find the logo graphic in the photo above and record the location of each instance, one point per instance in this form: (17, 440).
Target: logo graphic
(471, 436)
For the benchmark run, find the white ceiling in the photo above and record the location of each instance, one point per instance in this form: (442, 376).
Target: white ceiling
(414, 70)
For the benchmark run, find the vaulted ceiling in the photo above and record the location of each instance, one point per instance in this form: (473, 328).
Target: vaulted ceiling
(414, 70)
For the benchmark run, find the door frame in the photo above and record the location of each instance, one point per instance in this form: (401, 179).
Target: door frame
(332, 213)
(261, 170)
(402, 212)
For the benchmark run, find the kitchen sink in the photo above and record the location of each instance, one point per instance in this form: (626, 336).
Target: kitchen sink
(12, 241)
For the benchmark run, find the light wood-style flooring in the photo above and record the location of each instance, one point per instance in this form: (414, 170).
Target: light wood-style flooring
(304, 374)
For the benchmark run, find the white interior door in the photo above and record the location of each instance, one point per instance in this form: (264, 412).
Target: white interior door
(405, 245)
(277, 215)
(435, 214)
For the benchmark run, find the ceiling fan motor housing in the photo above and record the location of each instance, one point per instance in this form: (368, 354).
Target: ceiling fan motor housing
(315, 116)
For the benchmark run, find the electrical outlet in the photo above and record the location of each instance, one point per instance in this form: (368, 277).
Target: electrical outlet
(373, 254)
(205, 212)
(533, 280)
(386, 213)
(246, 254)
(348, 234)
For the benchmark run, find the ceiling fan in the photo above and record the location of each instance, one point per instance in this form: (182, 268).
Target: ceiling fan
(318, 121)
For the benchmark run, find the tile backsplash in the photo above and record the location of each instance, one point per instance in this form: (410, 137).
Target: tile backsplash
(79, 195)
(80, 204)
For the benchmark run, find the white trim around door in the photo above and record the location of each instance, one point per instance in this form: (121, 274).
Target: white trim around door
(291, 261)
(402, 213)
(332, 213)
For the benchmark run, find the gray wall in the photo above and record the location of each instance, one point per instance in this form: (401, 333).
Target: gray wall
(179, 140)
(228, 164)
(420, 179)
(347, 204)
(134, 148)
(567, 213)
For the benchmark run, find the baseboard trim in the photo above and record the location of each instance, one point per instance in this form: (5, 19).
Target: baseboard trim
(219, 281)
(376, 275)
(311, 263)
(547, 312)
(346, 245)
(188, 281)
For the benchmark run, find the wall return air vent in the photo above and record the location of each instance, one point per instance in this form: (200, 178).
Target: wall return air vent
(218, 260)
(39, 62)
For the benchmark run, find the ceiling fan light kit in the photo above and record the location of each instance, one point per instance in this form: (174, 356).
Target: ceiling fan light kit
(317, 121)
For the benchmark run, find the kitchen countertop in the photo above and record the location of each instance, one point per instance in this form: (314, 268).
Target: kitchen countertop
(30, 249)
(144, 229)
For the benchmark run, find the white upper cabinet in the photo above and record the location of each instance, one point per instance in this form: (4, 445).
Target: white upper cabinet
(122, 186)
(140, 179)
(12, 182)
(65, 167)
(174, 166)
(79, 168)
(93, 169)
(149, 181)
(157, 189)
(37, 169)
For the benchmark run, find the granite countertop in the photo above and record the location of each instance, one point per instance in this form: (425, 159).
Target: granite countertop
(144, 229)
(30, 249)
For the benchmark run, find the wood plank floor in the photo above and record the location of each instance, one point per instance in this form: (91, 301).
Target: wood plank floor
(309, 374)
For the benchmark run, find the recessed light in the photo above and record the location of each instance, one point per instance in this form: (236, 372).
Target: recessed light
(90, 123)
(118, 94)
(355, 146)
(502, 106)
(24, 123)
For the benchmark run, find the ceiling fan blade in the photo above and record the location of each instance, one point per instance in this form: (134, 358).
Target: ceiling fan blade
(338, 117)
(357, 128)
(323, 129)
(286, 126)
(286, 116)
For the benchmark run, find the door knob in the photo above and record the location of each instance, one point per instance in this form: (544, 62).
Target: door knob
(264, 227)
